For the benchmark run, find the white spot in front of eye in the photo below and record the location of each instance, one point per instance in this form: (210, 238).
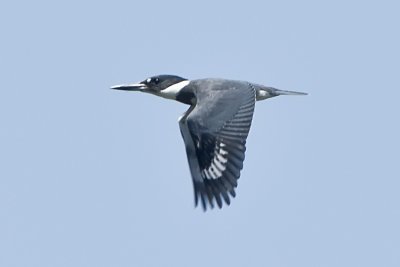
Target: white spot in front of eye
(148, 80)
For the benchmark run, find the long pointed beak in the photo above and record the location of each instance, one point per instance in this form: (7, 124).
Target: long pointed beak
(130, 87)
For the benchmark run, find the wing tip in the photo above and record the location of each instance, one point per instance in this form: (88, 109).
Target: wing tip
(211, 196)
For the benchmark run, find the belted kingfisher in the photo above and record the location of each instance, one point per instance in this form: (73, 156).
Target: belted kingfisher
(214, 128)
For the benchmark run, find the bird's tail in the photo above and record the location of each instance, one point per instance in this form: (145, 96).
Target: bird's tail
(264, 92)
(284, 92)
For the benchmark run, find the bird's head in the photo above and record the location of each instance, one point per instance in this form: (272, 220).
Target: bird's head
(167, 86)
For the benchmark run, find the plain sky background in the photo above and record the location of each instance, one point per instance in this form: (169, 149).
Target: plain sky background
(95, 177)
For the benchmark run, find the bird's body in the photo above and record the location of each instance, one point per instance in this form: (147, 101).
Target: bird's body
(214, 128)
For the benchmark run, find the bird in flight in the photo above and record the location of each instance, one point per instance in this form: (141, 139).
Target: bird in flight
(214, 128)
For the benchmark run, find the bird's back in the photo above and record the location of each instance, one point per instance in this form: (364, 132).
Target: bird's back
(218, 99)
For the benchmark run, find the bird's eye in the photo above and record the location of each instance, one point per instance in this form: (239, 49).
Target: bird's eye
(152, 81)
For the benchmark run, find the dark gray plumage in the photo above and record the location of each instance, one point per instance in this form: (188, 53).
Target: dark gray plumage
(214, 128)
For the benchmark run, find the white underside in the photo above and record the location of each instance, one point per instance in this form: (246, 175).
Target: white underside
(171, 91)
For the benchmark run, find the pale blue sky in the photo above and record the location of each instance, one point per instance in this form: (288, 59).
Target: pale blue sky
(95, 177)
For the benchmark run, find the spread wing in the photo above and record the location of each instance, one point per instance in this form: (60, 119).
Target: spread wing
(215, 132)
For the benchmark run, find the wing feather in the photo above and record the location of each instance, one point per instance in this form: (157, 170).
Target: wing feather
(215, 140)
